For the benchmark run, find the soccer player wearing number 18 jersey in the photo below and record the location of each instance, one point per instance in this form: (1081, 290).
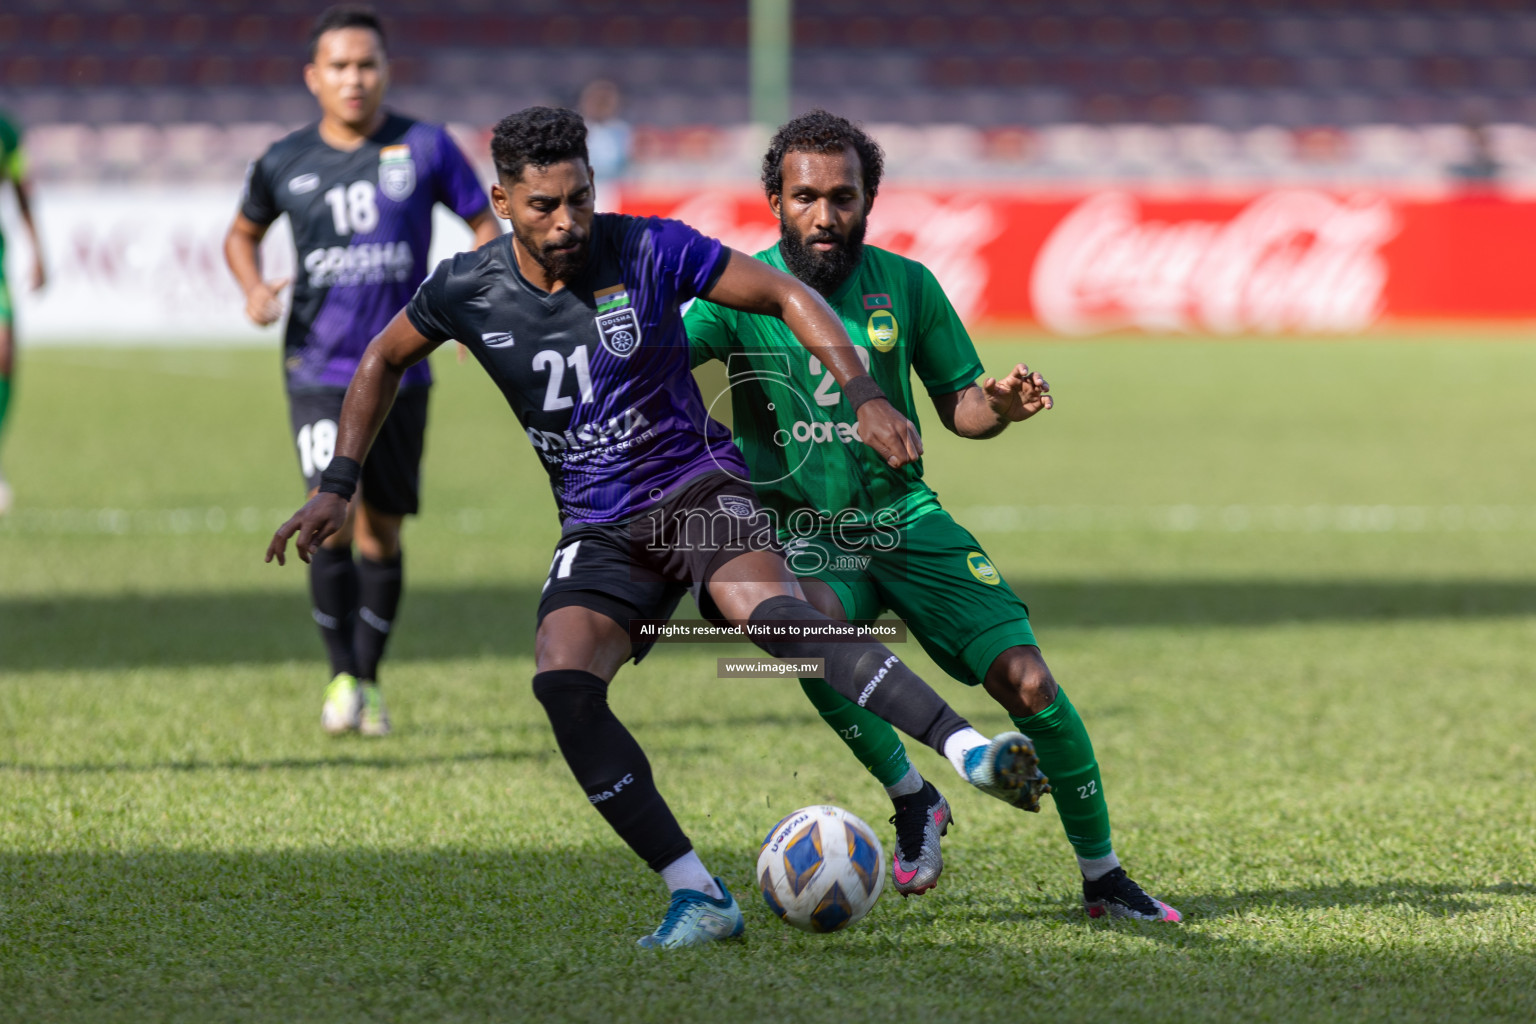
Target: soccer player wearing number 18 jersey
(358, 188)
(865, 536)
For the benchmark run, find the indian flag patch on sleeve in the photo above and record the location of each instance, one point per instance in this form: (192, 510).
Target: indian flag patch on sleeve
(616, 297)
(397, 172)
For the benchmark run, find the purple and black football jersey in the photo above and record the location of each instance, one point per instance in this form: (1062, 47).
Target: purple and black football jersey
(598, 371)
(362, 222)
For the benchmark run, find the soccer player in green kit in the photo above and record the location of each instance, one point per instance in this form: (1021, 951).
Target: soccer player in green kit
(866, 537)
(13, 169)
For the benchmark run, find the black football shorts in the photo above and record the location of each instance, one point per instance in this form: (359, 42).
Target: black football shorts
(391, 481)
(641, 569)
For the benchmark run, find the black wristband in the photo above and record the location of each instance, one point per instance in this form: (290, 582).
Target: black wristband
(862, 389)
(340, 477)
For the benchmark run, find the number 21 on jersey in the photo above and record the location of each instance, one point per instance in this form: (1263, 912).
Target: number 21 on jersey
(553, 363)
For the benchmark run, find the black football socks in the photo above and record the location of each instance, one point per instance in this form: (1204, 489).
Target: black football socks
(333, 588)
(378, 598)
(609, 764)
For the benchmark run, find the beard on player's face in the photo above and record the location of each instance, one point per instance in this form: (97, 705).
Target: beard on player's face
(561, 266)
(824, 271)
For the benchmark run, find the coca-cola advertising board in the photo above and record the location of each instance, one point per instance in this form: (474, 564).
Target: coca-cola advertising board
(149, 266)
(1288, 260)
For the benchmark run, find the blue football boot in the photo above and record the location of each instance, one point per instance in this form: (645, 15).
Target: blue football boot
(1008, 769)
(694, 919)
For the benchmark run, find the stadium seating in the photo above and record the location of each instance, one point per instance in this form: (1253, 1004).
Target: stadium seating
(1368, 155)
(1019, 67)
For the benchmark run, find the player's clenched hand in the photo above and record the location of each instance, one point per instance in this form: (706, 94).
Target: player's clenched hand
(262, 304)
(889, 433)
(1017, 396)
(320, 517)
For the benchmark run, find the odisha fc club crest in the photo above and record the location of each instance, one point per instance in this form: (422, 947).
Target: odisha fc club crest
(620, 330)
(397, 172)
(735, 505)
(616, 320)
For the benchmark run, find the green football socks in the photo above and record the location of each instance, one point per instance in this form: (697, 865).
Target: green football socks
(1066, 757)
(873, 741)
(1061, 742)
(5, 400)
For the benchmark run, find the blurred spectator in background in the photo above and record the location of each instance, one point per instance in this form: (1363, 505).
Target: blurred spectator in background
(610, 140)
(1481, 171)
(13, 168)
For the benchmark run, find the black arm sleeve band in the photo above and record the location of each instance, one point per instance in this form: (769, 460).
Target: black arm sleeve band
(340, 477)
(862, 389)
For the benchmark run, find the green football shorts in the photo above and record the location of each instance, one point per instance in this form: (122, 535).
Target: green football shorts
(5, 296)
(936, 578)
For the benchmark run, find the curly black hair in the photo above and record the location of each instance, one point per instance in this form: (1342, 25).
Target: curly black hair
(346, 16)
(821, 132)
(539, 136)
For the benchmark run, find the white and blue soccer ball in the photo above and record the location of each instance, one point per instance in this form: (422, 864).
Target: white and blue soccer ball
(821, 869)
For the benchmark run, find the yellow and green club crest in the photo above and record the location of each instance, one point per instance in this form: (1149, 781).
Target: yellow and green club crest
(883, 330)
(981, 567)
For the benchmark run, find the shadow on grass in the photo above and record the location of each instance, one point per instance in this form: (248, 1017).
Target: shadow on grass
(1442, 901)
(376, 763)
(1261, 907)
(440, 623)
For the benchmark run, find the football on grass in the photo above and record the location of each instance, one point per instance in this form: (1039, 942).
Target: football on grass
(821, 869)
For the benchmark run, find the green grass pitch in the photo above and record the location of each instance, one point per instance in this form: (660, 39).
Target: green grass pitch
(1291, 586)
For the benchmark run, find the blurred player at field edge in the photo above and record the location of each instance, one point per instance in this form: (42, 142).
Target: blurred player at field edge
(359, 187)
(884, 542)
(13, 168)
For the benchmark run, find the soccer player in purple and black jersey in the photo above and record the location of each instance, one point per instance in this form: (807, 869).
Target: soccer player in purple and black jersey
(358, 187)
(577, 318)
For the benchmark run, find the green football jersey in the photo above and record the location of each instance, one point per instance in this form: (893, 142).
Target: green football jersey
(12, 167)
(799, 436)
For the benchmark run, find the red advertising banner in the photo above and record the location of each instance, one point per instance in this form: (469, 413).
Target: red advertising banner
(1289, 260)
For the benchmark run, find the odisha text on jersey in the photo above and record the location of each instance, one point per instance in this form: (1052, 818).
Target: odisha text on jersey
(590, 438)
(362, 263)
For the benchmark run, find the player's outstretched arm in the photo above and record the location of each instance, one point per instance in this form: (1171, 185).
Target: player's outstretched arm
(242, 251)
(752, 286)
(369, 396)
(986, 411)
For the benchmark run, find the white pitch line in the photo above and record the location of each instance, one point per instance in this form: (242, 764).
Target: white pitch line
(984, 519)
(1249, 518)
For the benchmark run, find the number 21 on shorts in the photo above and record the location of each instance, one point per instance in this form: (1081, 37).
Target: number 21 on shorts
(560, 565)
